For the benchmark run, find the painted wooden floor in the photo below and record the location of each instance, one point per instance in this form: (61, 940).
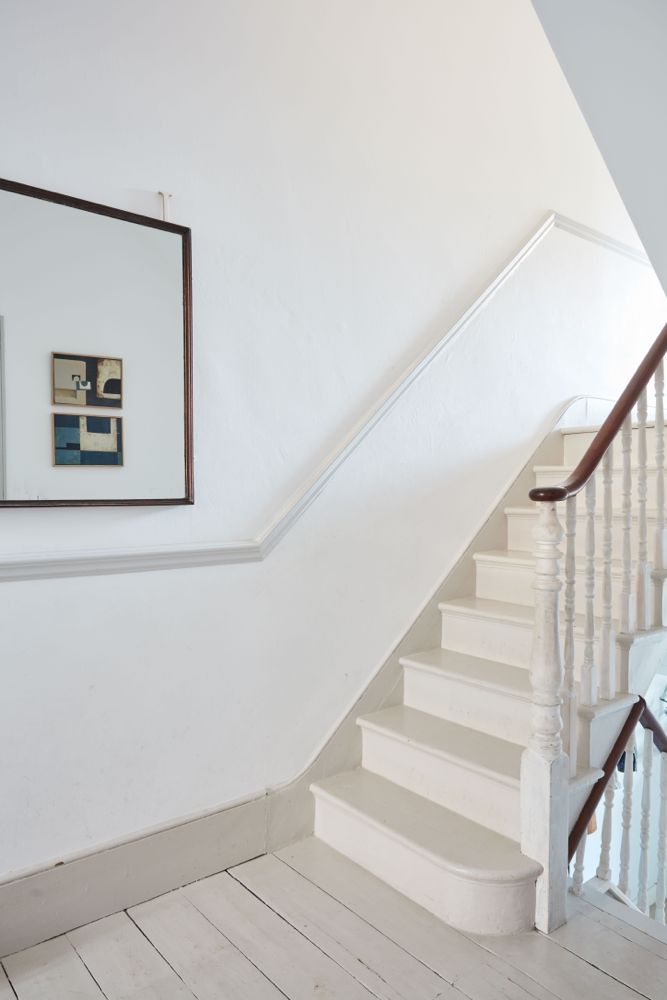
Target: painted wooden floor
(306, 923)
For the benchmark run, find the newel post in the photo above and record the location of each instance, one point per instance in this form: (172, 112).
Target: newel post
(544, 766)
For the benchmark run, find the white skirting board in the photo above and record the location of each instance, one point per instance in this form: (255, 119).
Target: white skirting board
(58, 899)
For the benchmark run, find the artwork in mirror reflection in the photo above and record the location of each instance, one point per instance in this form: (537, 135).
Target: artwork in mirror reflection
(87, 440)
(82, 380)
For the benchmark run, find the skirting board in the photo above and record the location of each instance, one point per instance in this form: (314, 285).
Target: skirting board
(58, 899)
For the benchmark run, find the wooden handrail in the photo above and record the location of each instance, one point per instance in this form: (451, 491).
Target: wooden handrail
(641, 713)
(610, 428)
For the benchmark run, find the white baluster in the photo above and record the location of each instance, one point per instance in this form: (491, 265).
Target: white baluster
(589, 673)
(604, 868)
(578, 875)
(647, 766)
(544, 768)
(644, 609)
(662, 843)
(607, 637)
(570, 718)
(660, 548)
(628, 603)
(628, 777)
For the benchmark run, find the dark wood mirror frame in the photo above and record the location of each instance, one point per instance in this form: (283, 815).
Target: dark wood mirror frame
(186, 243)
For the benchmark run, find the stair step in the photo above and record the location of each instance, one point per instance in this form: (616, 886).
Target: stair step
(464, 873)
(486, 695)
(576, 441)
(522, 520)
(507, 573)
(496, 630)
(474, 774)
(553, 475)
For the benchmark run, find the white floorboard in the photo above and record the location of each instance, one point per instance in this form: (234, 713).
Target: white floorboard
(206, 961)
(306, 923)
(388, 971)
(125, 963)
(52, 969)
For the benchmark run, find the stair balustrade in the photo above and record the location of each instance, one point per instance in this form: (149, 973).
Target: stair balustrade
(555, 746)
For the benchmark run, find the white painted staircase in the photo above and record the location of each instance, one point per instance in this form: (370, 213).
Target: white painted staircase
(434, 808)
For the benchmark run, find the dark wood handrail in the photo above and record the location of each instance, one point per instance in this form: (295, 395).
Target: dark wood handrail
(610, 428)
(641, 713)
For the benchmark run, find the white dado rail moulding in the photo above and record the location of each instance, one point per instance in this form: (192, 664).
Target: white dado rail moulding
(159, 557)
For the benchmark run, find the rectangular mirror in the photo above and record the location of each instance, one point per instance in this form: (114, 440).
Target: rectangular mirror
(95, 354)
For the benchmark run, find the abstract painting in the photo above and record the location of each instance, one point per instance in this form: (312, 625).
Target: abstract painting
(81, 380)
(87, 440)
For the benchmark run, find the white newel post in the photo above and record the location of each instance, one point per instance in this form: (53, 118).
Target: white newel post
(544, 766)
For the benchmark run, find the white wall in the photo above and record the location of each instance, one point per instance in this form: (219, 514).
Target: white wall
(81, 283)
(613, 52)
(354, 174)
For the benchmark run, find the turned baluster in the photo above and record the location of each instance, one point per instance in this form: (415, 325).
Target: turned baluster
(569, 711)
(578, 874)
(626, 821)
(607, 637)
(662, 844)
(627, 615)
(660, 556)
(544, 770)
(647, 766)
(644, 609)
(604, 867)
(589, 678)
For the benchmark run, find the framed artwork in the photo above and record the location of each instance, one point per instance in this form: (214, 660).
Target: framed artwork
(87, 440)
(83, 380)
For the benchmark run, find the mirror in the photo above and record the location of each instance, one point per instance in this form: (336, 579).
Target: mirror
(95, 354)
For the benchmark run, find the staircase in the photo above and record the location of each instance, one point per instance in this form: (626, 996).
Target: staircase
(434, 809)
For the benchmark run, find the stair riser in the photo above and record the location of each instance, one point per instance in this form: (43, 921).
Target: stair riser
(479, 797)
(548, 478)
(473, 906)
(506, 642)
(576, 445)
(520, 538)
(514, 583)
(481, 708)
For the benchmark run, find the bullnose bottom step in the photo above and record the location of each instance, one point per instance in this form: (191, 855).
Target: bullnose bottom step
(462, 872)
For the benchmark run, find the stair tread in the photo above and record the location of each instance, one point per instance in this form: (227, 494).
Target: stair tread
(451, 841)
(473, 669)
(521, 614)
(466, 746)
(526, 558)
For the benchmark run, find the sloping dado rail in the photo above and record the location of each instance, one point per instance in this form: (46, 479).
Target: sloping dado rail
(620, 598)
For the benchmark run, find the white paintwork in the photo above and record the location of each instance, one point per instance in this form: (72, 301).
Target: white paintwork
(124, 962)
(624, 870)
(608, 637)
(474, 774)
(491, 697)
(310, 298)
(647, 769)
(506, 575)
(467, 875)
(283, 954)
(312, 923)
(208, 963)
(52, 969)
(569, 695)
(41, 905)
(661, 888)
